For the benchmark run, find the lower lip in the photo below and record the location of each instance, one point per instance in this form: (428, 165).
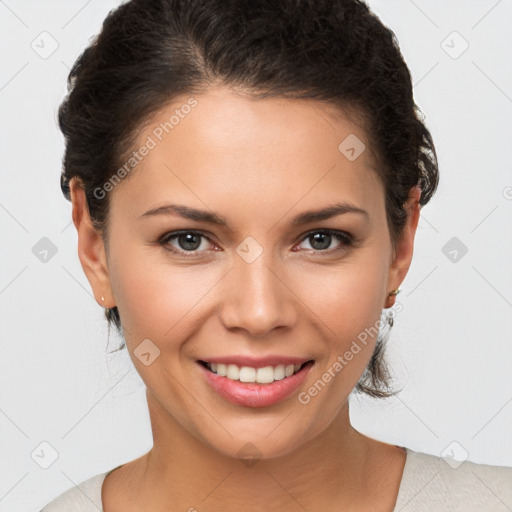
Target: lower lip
(252, 394)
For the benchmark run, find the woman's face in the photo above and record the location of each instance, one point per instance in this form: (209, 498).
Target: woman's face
(264, 283)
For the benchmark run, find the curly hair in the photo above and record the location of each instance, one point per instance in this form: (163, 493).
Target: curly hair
(335, 51)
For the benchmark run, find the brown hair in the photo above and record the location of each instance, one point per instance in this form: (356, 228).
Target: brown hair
(335, 51)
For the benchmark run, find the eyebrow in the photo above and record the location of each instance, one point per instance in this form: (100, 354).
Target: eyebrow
(212, 218)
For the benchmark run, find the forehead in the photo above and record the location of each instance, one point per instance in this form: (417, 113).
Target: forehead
(223, 146)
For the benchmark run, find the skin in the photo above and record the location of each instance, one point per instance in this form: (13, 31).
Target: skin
(258, 164)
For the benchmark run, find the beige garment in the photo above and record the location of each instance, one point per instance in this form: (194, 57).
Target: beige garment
(429, 484)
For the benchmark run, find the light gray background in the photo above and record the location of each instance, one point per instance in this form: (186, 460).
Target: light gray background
(451, 347)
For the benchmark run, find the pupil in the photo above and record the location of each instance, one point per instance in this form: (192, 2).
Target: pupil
(189, 241)
(317, 237)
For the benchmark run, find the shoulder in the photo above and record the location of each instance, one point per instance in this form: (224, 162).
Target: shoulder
(83, 497)
(435, 484)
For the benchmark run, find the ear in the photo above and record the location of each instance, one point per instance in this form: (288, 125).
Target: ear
(404, 249)
(91, 250)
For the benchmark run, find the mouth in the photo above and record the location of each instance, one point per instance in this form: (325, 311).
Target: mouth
(249, 386)
(251, 375)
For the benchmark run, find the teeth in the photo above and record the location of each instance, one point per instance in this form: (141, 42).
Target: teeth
(264, 375)
(233, 372)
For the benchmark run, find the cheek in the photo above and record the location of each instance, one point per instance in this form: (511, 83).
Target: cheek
(157, 300)
(345, 296)
(345, 303)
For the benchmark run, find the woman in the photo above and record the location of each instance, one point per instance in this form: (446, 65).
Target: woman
(246, 181)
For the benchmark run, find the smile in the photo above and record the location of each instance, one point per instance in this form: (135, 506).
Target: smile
(241, 385)
(265, 375)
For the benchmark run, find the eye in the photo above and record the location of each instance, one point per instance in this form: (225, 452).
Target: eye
(186, 242)
(190, 243)
(321, 239)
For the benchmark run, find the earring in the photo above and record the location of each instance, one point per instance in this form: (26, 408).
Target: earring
(106, 311)
(393, 294)
(391, 318)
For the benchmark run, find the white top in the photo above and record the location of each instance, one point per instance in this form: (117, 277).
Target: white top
(429, 484)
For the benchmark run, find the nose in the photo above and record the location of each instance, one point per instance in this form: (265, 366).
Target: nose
(257, 298)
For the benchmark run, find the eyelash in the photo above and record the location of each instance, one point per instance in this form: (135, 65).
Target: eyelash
(346, 239)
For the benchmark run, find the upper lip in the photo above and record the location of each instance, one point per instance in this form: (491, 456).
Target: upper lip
(257, 362)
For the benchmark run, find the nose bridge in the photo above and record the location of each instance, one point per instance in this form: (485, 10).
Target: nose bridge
(256, 299)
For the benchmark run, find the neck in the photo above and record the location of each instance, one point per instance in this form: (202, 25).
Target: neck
(185, 472)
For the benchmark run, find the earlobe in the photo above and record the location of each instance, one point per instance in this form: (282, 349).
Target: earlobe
(404, 247)
(91, 249)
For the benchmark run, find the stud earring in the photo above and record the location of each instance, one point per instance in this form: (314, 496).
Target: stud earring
(394, 292)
